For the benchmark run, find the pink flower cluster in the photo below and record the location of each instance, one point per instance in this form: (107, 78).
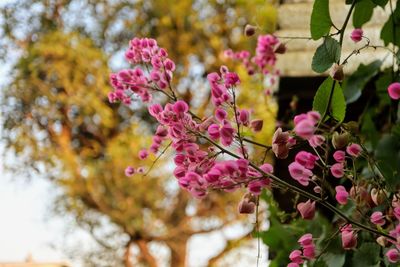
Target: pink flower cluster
(307, 251)
(128, 82)
(300, 169)
(265, 58)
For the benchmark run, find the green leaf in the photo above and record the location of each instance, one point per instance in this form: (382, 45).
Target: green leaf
(382, 83)
(338, 103)
(381, 3)
(387, 155)
(327, 54)
(369, 130)
(354, 84)
(388, 32)
(367, 255)
(334, 260)
(320, 19)
(362, 12)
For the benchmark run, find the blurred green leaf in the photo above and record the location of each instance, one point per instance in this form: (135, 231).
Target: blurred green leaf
(338, 104)
(367, 255)
(362, 12)
(354, 84)
(325, 55)
(320, 19)
(392, 28)
(387, 155)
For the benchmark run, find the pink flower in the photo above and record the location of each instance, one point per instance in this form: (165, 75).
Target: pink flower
(280, 144)
(180, 107)
(393, 255)
(255, 187)
(300, 173)
(339, 156)
(305, 129)
(356, 35)
(306, 159)
(354, 150)
(341, 195)
(349, 238)
(316, 140)
(220, 114)
(129, 171)
(231, 79)
(295, 256)
(227, 132)
(143, 154)
(213, 131)
(394, 91)
(377, 218)
(306, 209)
(337, 170)
(396, 213)
(305, 240)
(309, 251)
(293, 264)
(243, 117)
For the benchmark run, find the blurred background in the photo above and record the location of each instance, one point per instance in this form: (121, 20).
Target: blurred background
(64, 198)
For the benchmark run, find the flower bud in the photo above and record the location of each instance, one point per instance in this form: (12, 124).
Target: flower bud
(280, 48)
(249, 30)
(340, 140)
(382, 241)
(377, 196)
(337, 72)
(307, 209)
(256, 125)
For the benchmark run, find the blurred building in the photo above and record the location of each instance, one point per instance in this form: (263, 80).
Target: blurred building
(294, 21)
(29, 262)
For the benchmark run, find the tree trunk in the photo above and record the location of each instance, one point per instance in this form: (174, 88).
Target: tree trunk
(145, 253)
(127, 255)
(178, 253)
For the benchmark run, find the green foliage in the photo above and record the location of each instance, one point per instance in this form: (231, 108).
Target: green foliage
(356, 82)
(338, 103)
(391, 30)
(387, 157)
(325, 55)
(321, 22)
(367, 255)
(362, 12)
(381, 3)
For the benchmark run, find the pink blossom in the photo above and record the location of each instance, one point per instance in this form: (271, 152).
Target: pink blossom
(305, 129)
(393, 255)
(227, 132)
(220, 114)
(255, 187)
(293, 264)
(341, 195)
(143, 154)
(305, 240)
(280, 144)
(309, 251)
(307, 209)
(396, 212)
(300, 173)
(243, 117)
(129, 171)
(354, 150)
(267, 168)
(295, 256)
(349, 238)
(394, 91)
(337, 170)
(339, 156)
(316, 140)
(231, 79)
(213, 131)
(378, 218)
(306, 159)
(356, 35)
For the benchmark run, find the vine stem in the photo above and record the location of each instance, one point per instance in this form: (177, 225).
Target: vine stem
(302, 192)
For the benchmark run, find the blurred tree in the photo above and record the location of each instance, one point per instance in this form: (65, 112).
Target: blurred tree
(57, 120)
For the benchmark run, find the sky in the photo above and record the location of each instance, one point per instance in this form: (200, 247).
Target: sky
(28, 227)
